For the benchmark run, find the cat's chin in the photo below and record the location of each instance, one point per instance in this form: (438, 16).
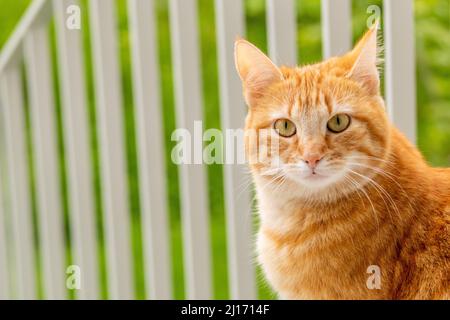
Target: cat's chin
(318, 190)
(316, 177)
(315, 181)
(323, 186)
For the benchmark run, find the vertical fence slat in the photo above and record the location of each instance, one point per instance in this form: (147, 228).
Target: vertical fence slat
(150, 148)
(281, 28)
(42, 108)
(4, 265)
(75, 119)
(400, 65)
(336, 27)
(112, 148)
(230, 24)
(185, 54)
(19, 184)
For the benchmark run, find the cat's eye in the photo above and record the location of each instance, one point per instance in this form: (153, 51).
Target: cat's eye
(285, 127)
(338, 123)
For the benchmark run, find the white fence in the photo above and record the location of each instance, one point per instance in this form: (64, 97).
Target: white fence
(29, 46)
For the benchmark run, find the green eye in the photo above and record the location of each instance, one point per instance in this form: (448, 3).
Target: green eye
(285, 127)
(338, 123)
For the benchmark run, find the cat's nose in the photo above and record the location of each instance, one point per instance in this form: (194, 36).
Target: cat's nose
(312, 160)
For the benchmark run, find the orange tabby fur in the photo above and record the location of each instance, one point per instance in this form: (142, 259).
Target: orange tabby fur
(317, 239)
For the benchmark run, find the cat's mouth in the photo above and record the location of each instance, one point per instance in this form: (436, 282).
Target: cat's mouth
(314, 175)
(310, 176)
(317, 177)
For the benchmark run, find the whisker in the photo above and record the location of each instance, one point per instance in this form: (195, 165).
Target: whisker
(379, 189)
(360, 187)
(372, 158)
(389, 176)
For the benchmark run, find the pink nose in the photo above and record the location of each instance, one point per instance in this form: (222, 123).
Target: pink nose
(312, 160)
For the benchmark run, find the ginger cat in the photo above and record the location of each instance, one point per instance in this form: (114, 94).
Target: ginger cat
(350, 191)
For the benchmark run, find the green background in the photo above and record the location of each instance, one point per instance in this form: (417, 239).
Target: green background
(432, 31)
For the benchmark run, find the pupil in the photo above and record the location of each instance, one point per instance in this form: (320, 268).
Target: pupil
(285, 125)
(338, 120)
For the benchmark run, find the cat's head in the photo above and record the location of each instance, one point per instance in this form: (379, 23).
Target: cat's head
(328, 118)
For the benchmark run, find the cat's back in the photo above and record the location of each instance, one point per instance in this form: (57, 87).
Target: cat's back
(426, 251)
(423, 267)
(440, 192)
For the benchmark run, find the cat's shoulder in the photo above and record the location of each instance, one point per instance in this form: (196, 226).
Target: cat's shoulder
(438, 235)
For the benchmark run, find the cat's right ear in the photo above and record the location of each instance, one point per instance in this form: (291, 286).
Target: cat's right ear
(255, 69)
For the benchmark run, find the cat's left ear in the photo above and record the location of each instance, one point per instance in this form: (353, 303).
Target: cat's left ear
(255, 69)
(365, 61)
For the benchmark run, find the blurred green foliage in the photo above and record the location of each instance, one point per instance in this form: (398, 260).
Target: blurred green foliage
(432, 21)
